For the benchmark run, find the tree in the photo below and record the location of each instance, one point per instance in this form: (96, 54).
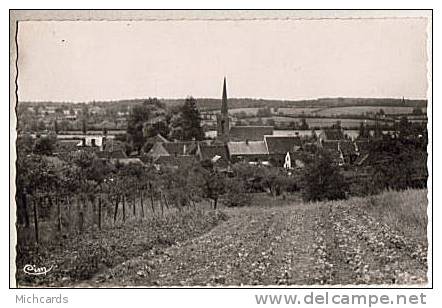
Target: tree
(146, 120)
(236, 193)
(45, 145)
(56, 129)
(25, 144)
(363, 131)
(85, 114)
(214, 186)
(264, 112)
(186, 125)
(304, 125)
(321, 179)
(417, 111)
(139, 114)
(314, 137)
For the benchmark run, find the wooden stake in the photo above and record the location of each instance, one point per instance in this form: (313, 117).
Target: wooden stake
(36, 220)
(99, 212)
(142, 203)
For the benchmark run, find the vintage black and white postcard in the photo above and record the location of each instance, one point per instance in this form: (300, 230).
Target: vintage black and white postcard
(220, 148)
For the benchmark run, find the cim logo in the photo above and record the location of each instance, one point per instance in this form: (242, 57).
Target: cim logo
(31, 269)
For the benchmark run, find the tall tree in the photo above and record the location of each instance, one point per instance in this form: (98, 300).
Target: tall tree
(139, 114)
(321, 179)
(146, 120)
(187, 125)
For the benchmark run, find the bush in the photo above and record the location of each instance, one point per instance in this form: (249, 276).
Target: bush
(322, 180)
(236, 193)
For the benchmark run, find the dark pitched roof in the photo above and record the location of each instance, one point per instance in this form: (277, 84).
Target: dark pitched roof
(113, 145)
(180, 148)
(209, 152)
(252, 133)
(174, 160)
(156, 138)
(282, 144)
(346, 146)
(247, 148)
(117, 154)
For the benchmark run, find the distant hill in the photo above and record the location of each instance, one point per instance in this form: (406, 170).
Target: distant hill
(214, 104)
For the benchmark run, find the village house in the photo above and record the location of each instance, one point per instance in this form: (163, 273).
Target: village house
(217, 154)
(175, 149)
(249, 151)
(151, 141)
(279, 146)
(92, 141)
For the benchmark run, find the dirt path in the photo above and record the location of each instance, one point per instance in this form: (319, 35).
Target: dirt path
(293, 245)
(254, 247)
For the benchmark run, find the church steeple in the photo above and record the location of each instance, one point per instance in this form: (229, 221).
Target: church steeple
(223, 125)
(224, 109)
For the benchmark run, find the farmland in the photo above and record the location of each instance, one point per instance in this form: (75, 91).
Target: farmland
(357, 241)
(355, 110)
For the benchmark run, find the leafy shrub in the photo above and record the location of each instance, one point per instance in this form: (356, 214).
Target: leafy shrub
(236, 193)
(321, 179)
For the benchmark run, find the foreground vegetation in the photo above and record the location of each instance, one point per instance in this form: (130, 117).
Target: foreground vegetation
(78, 257)
(332, 242)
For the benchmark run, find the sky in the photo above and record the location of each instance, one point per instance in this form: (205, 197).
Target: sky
(275, 59)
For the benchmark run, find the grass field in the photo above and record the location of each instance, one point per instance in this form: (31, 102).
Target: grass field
(359, 110)
(405, 211)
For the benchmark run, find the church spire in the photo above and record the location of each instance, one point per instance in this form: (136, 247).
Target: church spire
(222, 119)
(224, 109)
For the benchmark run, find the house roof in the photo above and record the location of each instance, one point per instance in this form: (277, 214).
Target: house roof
(282, 144)
(156, 138)
(113, 145)
(346, 146)
(117, 154)
(211, 152)
(247, 148)
(253, 133)
(180, 148)
(174, 160)
(172, 149)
